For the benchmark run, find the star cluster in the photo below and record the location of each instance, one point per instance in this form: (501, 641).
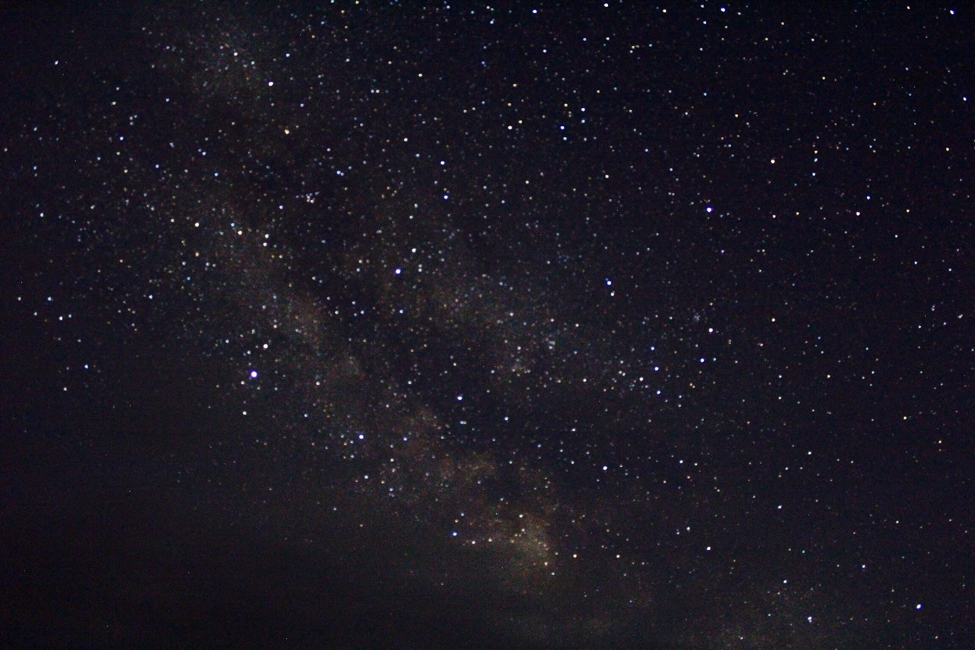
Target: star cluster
(622, 326)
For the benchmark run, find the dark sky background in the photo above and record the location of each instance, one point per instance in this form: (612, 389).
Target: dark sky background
(536, 325)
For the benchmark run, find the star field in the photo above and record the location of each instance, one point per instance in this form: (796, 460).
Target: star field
(620, 325)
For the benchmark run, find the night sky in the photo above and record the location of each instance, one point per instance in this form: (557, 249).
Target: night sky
(429, 325)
